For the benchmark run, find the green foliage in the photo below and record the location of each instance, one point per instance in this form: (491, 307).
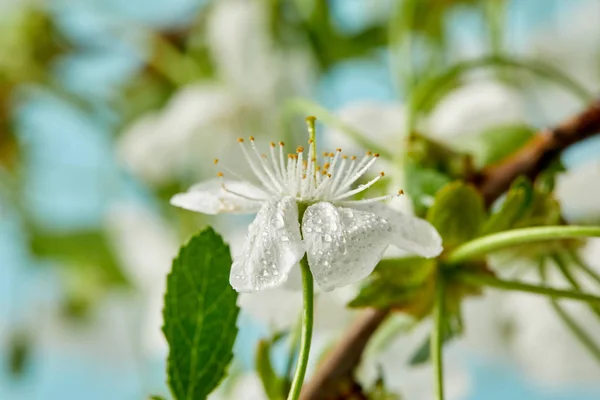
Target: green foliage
(404, 284)
(516, 204)
(429, 166)
(272, 384)
(379, 392)
(200, 316)
(497, 143)
(458, 213)
(19, 353)
(83, 250)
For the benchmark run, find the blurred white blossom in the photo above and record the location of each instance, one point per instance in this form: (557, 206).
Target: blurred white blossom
(203, 119)
(146, 246)
(474, 108)
(578, 191)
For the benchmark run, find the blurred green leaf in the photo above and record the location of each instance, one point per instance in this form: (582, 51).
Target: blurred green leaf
(379, 391)
(458, 213)
(403, 284)
(518, 200)
(272, 384)
(423, 353)
(19, 352)
(423, 184)
(156, 397)
(497, 143)
(87, 250)
(200, 316)
(544, 210)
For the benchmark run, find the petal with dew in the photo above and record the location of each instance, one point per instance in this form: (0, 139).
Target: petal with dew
(216, 196)
(410, 233)
(273, 246)
(343, 245)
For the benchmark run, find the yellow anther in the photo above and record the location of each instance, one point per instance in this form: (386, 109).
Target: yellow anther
(311, 119)
(216, 161)
(353, 158)
(369, 153)
(344, 157)
(376, 155)
(326, 166)
(300, 149)
(304, 176)
(310, 141)
(338, 150)
(281, 144)
(325, 154)
(272, 144)
(331, 154)
(329, 175)
(400, 192)
(220, 174)
(382, 173)
(252, 138)
(241, 140)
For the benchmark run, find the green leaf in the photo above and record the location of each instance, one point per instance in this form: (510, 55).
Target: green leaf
(402, 284)
(423, 184)
(379, 391)
(84, 250)
(200, 317)
(156, 397)
(496, 143)
(518, 201)
(458, 213)
(423, 353)
(272, 384)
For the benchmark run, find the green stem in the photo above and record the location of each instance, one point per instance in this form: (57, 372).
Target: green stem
(584, 267)
(570, 323)
(437, 338)
(307, 326)
(484, 280)
(502, 240)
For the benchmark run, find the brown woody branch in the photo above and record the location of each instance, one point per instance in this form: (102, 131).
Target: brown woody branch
(493, 181)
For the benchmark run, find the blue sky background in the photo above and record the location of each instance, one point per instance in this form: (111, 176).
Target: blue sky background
(72, 177)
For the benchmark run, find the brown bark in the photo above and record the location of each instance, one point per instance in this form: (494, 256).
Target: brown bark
(493, 181)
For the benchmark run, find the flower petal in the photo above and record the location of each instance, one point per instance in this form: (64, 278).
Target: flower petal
(273, 246)
(410, 233)
(210, 197)
(343, 245)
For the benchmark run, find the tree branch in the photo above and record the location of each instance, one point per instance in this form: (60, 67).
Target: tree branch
(493, 181)
(537, 154)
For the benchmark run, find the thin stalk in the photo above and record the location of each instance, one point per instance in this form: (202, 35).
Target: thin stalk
(562, 266)
(506, 239)
(570, 323)
(483, 280)
(584, 267)
(437, 338)
(307, 326)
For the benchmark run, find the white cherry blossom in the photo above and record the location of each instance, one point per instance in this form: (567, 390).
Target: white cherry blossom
(343, 238)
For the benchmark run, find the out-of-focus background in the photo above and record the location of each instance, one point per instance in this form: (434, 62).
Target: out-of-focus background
(108, 107)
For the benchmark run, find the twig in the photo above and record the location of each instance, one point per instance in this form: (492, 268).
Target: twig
(535, 156)
(532, 159)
